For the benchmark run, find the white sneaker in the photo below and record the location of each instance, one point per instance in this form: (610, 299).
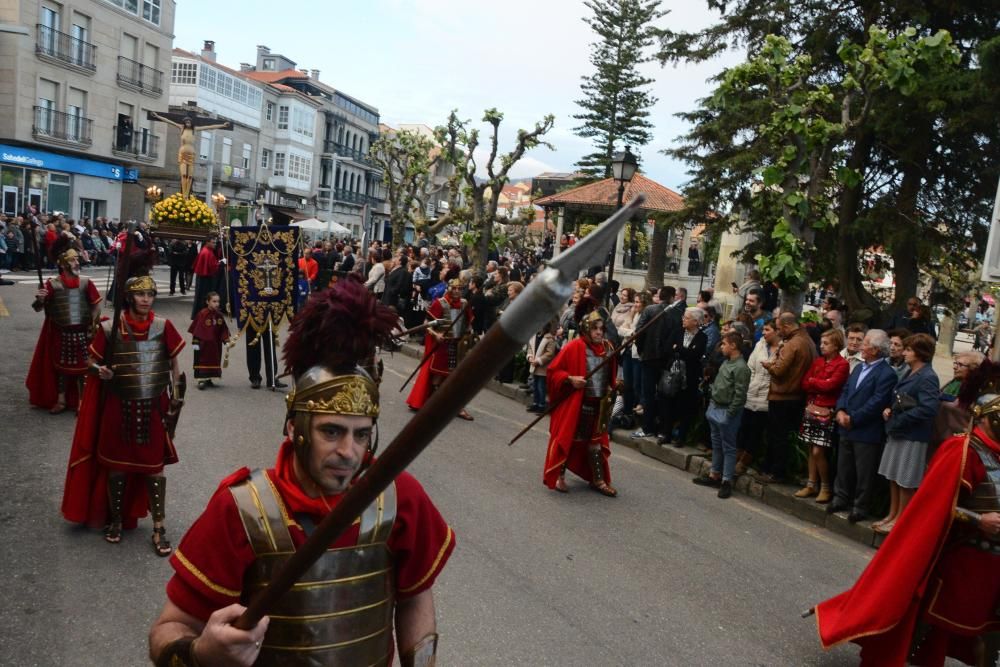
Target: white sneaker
(639, 434)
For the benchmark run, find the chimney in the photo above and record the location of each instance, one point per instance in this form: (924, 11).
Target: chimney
(262, 50)
(208, 50)
(304, 71)
(246, 67)
(314, 74)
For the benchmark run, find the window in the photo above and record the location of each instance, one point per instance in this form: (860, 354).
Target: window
(265, 158)
(299, 168)
(227, 150)
(247, 152)
(205, 147)
(184, 73)
(303, 122)
(268, 64)
(269, 111)
(151, 11)
(279, 164)
(283, 117)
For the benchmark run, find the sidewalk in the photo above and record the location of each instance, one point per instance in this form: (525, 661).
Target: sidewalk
(779, 496)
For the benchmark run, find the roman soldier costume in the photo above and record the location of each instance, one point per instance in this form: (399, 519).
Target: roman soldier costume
(342, 611)
(932, 589)
(124, 435)
(578, 430)
(71, 305)
(445, 354)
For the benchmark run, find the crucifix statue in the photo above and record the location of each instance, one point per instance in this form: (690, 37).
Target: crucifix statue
(267, 267)
(188, 124)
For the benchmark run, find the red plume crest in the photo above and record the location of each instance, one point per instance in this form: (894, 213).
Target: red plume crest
(337, 328)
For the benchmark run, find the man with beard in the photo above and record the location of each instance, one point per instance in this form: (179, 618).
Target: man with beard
(578, 430)
(72, 307)
(121, 442)
(444, 345)
(376, 578)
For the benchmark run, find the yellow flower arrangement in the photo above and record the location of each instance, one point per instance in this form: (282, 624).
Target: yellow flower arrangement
(176, 210)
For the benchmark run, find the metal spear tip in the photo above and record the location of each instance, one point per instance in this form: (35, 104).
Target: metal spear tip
(593, 249)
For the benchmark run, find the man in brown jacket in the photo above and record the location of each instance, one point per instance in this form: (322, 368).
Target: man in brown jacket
(785, 399)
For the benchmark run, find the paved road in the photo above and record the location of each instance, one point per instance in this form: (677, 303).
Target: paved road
(666, 574)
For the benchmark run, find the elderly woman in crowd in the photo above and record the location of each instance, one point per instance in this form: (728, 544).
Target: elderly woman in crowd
(909, 422)
(822, 384)
(953, 416)
(688, 346)
(896, 360)
(753, 425)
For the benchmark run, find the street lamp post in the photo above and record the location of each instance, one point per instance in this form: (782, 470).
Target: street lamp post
(623, 168)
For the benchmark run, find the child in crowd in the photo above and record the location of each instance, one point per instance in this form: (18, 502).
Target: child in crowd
(208, 332)
(541, 351)
(728, 395)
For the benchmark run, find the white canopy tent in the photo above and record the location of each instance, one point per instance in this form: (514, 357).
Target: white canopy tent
(317, 225)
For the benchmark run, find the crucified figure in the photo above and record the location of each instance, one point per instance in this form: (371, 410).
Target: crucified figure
(188, 124)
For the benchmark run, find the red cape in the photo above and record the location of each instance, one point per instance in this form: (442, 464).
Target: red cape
(85, 496)
(438, 363)
(42, 381)
(571, 360)
(207, 263)
(880, 612)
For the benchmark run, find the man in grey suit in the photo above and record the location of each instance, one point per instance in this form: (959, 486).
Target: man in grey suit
(859, 415)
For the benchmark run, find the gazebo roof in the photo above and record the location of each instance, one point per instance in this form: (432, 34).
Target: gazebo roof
(604, 194)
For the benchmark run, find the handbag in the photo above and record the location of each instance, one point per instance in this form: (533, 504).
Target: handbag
(673, 380)
(903, 402)
(813, 410)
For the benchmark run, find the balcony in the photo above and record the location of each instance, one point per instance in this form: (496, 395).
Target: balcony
(344, 150)
(346, 196)
(61, 127)
(140, 146)
(62, 49)
(139, 77)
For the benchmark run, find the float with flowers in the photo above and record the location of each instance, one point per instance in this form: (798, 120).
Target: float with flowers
(183, 217)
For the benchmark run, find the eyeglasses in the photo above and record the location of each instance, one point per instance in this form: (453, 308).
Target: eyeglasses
(960, 364)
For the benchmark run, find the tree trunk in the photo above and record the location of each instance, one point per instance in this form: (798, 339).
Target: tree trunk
(792, 301)
(853, 292)
(907, 227)
(657, 256)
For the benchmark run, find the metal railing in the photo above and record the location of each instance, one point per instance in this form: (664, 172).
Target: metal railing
(143, 145)
(136, 75)
(344, 150)
(63, 126)
(65, 48)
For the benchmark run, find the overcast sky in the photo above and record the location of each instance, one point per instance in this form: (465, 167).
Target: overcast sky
(417, 59)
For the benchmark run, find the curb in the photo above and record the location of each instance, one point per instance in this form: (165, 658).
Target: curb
(689, 459)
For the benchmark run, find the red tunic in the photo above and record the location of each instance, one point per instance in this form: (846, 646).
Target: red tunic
(571, 360)
(207, 263)
(213, 556)
(209, 331)
(438, 363)
(42, 380)
(99, 444)
(922, 570)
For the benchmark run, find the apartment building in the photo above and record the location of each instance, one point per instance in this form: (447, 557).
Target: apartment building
(76, 82)
(346, 187)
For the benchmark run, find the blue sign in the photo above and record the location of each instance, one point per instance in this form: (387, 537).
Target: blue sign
(26, 157)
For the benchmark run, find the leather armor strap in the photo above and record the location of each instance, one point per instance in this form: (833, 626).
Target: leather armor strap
(179, 653)
(424, 654)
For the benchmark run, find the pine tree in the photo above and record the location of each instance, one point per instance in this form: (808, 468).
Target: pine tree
(616, 103)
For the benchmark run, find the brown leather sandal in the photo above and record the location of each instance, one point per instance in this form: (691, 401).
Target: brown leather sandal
(604, 488)
(60, 406)
(561, 485)
(161, 546)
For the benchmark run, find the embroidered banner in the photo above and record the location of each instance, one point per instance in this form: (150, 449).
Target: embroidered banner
(263, 264)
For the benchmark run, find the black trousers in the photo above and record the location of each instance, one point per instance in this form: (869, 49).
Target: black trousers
(263, 347)
(176, 271)
(857, 463)
(752, 429)
(783, 419)
(684, 408)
